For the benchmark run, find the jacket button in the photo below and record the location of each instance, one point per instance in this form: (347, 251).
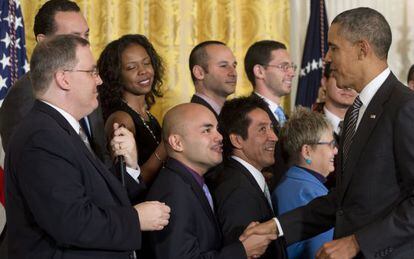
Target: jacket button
(340, 212)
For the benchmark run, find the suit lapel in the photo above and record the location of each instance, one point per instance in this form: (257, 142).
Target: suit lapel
(196, 188)
(114, 186)
(367, 124)
(239, 168)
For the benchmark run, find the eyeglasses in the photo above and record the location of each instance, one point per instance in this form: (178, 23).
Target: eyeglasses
(284, 66)
(332, 144)
(93, 72)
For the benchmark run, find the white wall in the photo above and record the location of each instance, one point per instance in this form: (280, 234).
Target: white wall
(397, 13)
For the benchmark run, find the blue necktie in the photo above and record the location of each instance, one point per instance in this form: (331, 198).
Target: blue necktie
(280, 115)
(208, 196)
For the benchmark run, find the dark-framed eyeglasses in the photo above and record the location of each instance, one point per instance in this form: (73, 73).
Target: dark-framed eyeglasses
(93, 72)
(332, 144)
(284, 66)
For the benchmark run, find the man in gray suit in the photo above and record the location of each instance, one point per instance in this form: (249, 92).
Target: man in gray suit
(53, 18)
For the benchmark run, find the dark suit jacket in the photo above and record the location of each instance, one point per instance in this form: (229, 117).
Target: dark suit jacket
(239, 201)
(193, 231)
(17, 104)
(199, 100)
(62, 202)
(280, 166)
(374, 194)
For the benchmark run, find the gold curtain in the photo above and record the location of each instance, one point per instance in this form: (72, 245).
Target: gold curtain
(175, 27)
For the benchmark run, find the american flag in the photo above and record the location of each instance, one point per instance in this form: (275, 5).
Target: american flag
(316, 46)
(13, 63)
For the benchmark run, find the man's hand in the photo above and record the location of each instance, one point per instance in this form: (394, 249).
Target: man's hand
(346, 247)
(123, 144)
(265, 228)
(255, 245)
(153, 215)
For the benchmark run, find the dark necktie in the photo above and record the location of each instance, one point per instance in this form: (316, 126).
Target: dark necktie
(350, 128)
(340, 128)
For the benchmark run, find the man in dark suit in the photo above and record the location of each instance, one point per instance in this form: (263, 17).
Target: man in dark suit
(213, 70)
(61, 201)
(270, 70)
(55, 17)
(336, 102)
(239, 189)
(371, 209)
(193, 146)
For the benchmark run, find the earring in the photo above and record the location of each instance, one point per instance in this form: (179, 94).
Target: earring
(308, 161)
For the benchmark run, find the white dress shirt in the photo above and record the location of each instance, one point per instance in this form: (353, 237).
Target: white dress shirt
(272, 105)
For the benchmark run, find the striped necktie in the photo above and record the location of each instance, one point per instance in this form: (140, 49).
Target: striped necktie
(267, 195)
(350, 128)
(85, 139)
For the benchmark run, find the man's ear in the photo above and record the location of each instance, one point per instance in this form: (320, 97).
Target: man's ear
(236, 141)
(198, 72)
(258, 71)
(364, 49)
(62, 80)
(176, 143)
(40, 37)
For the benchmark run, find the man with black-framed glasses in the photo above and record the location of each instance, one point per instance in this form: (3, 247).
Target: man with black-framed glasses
(270, 70)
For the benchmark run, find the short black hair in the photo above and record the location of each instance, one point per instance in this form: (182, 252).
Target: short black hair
(233, 118)
(44, 22)
(366, 23)
(327, 70)
(410, 76)
(198, 55)
(259, 53)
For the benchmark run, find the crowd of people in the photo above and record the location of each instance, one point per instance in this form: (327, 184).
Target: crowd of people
(91, 173)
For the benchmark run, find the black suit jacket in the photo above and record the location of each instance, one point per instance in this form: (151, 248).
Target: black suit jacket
(239, 200)
(193, 231)
(375, 193)
(17, 104)
(62, 202)
(199, 100)
(280, 166)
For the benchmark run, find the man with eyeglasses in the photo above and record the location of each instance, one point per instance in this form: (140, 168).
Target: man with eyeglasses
(55, 17)
(270, 70)
(62, 202)
(213, 71)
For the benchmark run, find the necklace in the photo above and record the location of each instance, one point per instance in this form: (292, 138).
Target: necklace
(150, 117)
(147, 126)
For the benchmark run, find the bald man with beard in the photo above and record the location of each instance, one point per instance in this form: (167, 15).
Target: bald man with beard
(193, 145)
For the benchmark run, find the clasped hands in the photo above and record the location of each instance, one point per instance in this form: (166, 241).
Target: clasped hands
(346, 247)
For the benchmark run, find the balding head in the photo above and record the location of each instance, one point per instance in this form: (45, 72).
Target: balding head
(190, 136)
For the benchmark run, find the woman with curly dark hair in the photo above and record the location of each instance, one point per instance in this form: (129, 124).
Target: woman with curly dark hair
(131, 71)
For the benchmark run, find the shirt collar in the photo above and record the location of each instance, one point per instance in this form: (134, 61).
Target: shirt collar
(199, 179)
(333, 119)
(213, 104)
(318, 176)
(72, 121)
(372, 87)
(257, 175)
(272, 105)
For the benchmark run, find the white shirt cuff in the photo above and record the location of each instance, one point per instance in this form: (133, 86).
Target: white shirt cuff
(134, 173)
(279, 227)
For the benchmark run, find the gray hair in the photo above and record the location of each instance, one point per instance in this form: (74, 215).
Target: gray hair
(50, 55)
(303, 127)
(366, 23)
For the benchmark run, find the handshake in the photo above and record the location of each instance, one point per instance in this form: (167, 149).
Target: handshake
(257, 236)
